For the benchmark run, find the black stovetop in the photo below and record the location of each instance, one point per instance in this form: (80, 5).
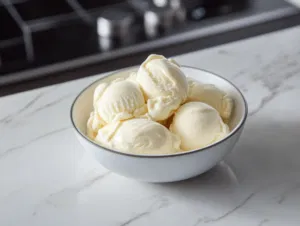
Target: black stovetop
(42, 36)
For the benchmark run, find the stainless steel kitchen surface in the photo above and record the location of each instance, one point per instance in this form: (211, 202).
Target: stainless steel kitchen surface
(50, 41)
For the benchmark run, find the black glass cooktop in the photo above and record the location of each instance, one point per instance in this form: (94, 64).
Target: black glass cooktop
(41, 36)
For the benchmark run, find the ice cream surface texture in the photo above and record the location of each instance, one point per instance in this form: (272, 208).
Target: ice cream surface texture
(93, 125)
(164, 85)
(212, 96)
(138, 136)
(119, 100)
(198, 125)
(157, 110)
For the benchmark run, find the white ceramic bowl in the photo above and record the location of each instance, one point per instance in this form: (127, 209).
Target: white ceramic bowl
(161, 168)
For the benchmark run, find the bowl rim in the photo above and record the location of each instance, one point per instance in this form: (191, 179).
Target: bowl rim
(234, 131)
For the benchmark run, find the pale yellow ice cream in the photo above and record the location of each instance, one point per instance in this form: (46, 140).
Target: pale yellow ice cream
(164, 85)
(198, 125)
(138, 136)
(119, 100)
(212, 96)
(132, 114)
(93, 125)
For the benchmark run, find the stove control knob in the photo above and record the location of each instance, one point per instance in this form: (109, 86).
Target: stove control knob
(157, 20)
(115, 23)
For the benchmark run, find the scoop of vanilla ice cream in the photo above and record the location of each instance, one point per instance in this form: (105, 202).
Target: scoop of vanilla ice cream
(211, 95)
(164, 85)
(119, 100)
(93, 125)
(198, 125)
(138, 136)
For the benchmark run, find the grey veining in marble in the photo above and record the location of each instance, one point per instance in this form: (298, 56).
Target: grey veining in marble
(45, 178)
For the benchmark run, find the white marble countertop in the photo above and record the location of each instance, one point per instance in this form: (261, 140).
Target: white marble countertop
(258, 184)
